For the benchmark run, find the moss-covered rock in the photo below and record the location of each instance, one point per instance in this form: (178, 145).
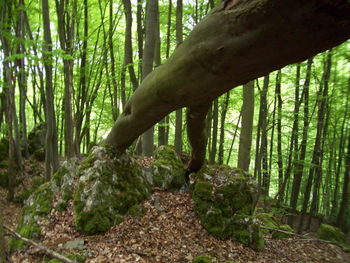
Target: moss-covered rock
(36, 141)
(224, 201)
(4, 149)
(107, 186)
(24, 195)
(168, 170)
(331, 233)
(202, 259)
(136, 211)
(270, 221)
(38, 205)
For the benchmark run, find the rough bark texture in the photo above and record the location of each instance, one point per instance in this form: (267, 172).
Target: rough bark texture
(235, 43)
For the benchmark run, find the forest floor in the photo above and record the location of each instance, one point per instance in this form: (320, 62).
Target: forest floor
(169, 231)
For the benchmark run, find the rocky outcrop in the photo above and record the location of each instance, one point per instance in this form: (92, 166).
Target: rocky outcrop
(224, 201)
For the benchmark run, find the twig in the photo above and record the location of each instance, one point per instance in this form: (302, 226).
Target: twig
(46, 250)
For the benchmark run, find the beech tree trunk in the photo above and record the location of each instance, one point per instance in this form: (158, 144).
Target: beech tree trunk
(245, 138)
(235, 43)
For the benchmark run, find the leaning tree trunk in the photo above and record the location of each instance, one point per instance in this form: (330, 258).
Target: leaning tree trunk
(223, 52)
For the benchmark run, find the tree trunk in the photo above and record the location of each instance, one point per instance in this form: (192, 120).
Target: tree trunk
(299, 166)
(178, 115)
(279, 130)
(214, 136)
(345, 194)
(66, 33)
(152, 18)
(224, 108)
(51, 143)
(316, 155)
(265, 180)
(215, 58)
(245, 138)
(293, 147)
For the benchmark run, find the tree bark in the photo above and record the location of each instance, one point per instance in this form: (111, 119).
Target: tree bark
(219, 54)
(152, 18)
(51, 143)
(224, 108)
(245, 138)
(299, 166)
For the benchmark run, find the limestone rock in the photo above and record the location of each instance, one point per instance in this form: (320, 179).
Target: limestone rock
(107, 187)
(224, 201)
(167, 171)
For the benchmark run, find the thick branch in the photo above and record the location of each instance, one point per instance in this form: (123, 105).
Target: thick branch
(46, 250)
(237, 42)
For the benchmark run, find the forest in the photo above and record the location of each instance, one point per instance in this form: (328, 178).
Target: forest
(174, 131)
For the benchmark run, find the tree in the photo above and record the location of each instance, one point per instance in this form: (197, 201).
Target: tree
(152, 19)
(218, 55)
(245, 138)
(51, 151)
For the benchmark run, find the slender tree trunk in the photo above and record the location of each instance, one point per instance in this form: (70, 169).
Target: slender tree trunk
(299, 166)
(245, 138)
(65, 28)
(152, 18)
(22, 80)
(265, 180)
(234, 138)
(140, 34)
(345, 194)
(51, 143)
(279, 130)
(293, 153)
(224, 108)
(316, 155)
(324, 111)
(214, 137)
(178, 115)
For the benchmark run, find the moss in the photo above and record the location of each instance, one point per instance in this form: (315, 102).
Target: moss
(203, 191)
(279, 235)
(168, 169)
(117, 220)
(137, 211)
(107, 188)
(58, 176)
(76, 258)
(202, 259)
(331, 233)
(268, 220)
(88, 161)
(36, 138)
(30, 230)
(4, 164)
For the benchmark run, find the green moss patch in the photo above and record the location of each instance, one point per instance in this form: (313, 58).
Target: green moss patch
(107, 187)
(168, 170)
(4, 149)
(202, 259)
(224, 201)
(36, 206)
(331, 233)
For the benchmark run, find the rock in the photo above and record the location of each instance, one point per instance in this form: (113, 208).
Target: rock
(331, 233)
(75, 244)
(168, 171)
(224, 201)
(36, 141)
(106, 187)
(38, 205)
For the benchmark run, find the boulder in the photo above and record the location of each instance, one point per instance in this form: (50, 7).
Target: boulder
(224, 201)
(36, 141)
(167, 171)
(107, 188)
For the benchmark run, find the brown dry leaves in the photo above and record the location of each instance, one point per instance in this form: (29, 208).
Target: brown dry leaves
(171, 232)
